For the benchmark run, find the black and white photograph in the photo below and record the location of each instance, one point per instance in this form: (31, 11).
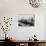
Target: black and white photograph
(26, 20)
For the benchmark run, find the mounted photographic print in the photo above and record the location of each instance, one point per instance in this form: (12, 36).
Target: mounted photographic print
(26, 20)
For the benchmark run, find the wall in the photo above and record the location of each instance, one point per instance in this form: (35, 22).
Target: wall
(11, 8)
(45, 28)
(26, 32)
